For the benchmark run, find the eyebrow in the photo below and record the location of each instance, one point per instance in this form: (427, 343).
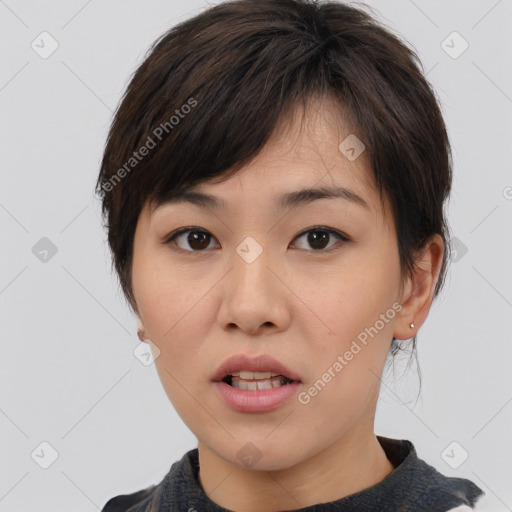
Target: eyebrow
(287, 200)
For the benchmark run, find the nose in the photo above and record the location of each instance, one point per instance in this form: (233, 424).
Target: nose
(255, 297)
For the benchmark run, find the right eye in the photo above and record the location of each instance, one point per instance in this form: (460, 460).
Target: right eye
(197, 239)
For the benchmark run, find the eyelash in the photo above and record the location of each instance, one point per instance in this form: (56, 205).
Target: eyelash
(172, 237)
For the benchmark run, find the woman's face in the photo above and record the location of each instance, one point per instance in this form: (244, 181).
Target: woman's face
(257, 275)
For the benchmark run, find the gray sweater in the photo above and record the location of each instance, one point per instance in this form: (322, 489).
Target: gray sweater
(412, 486)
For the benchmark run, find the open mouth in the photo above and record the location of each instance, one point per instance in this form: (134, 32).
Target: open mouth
(253, 381)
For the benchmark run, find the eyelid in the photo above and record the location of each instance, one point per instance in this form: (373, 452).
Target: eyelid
(182, 230)
(170, 238)
(338, 234)
(331, 231)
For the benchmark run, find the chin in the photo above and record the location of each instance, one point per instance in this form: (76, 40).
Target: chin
(265, 455)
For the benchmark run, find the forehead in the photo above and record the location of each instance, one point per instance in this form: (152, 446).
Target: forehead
(308, 157)
(320, 142)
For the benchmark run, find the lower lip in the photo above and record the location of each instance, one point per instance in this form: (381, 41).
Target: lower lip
(260, 400)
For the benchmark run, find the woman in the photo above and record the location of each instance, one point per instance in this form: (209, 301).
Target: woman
(273, 184)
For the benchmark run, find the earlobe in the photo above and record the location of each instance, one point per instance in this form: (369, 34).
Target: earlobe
(140, 329)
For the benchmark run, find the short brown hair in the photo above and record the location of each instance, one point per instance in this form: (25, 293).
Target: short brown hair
(218, 83)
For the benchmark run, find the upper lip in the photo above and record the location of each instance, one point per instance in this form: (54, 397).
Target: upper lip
(261, 363)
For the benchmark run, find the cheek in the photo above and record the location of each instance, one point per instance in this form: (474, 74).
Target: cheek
(347, 305)
(168, 297)
(353, 319)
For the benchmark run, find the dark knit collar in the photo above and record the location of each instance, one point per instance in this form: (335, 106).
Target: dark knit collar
(412, 486)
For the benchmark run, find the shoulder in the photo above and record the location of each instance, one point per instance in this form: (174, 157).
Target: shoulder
(422, 486)
(125, 502)
(465, 508)
(151, 497)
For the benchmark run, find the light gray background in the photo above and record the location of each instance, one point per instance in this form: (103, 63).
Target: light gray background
(68, 375)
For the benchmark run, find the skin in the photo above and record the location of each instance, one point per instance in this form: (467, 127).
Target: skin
(302, 306)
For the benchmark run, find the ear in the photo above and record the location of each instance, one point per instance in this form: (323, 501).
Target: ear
(141, 332)
(418, 290)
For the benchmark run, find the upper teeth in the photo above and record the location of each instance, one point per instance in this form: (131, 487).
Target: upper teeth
(254, 375)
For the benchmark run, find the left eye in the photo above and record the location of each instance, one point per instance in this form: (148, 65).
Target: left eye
(319, 236)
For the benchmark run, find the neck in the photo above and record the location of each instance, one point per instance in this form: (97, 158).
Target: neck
(354, 462)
